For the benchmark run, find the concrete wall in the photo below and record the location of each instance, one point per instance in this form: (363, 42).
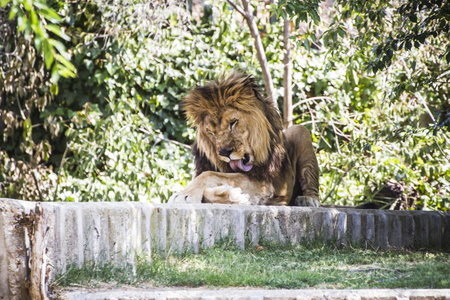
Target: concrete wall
(57, 234)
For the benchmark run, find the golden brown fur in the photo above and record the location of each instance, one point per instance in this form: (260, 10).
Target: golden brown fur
(241, 153)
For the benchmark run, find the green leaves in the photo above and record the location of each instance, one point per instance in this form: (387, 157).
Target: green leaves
(119, 116)
(59, 32)
(333, 34)
(34, 16)
(300, 11)
(120, 141)
(119, 156)
(27, 129)
(413, 24)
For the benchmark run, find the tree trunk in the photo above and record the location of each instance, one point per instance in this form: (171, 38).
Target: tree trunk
(287, 78)
(40, 268)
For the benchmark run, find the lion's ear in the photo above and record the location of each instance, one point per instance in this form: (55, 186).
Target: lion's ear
(238, 91)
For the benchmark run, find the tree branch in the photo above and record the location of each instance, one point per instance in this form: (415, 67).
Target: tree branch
(63, 160)
(287, 78)
(311, 99)
(260, 53)
(236, 7)
(424, 104)
(159, 139)
(187, 147)
(36, 181)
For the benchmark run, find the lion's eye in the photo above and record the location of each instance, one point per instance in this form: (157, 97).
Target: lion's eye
(232, 123)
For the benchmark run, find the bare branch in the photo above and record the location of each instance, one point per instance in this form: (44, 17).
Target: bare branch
(311, 113)
(336, 138)
(260, 53)
(287, 78)
(159, 139)
(61, 166)
(36, 181)
(311, 99)
(237, 7)
(440, 149)
(176, 143)
(424, 104)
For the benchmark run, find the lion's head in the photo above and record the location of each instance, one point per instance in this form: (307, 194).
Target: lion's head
(238, 130)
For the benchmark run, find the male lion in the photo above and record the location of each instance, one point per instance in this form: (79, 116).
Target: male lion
(242, 155)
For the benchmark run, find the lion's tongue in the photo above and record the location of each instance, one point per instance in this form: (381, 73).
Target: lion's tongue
(238, 164)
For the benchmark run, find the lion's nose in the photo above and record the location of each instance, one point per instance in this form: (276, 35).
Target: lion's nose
(226, 152)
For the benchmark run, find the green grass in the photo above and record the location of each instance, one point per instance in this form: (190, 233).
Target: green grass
(269, 267)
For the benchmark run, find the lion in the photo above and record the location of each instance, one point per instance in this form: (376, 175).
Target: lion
(242, 155)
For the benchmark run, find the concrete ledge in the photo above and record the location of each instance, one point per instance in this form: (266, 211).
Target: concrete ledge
(256, 294)
(54, 234)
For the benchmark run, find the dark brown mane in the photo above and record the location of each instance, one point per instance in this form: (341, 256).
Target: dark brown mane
(242, 93)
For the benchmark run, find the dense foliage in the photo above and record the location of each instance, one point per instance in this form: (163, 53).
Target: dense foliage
(115, 132)
(414, 34)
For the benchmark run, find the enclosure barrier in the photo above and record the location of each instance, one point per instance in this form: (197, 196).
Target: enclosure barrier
(38, 240)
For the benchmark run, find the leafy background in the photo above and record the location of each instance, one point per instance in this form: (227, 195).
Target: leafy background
(101, 120)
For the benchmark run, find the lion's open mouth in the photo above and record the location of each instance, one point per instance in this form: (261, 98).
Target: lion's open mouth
(241, 164)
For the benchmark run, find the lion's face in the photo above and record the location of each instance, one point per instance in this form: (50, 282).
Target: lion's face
(229, 132)
(236, 127)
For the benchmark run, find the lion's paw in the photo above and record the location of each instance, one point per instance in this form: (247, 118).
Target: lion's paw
(306, 201)
(226, 194)
(184, 197)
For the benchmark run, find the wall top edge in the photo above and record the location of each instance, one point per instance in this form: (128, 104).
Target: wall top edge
(27, 205)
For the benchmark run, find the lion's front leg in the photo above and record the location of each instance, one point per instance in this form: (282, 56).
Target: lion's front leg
(306, 201)
(215, 187)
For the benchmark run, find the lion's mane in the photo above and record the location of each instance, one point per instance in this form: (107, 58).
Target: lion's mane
(266, 136)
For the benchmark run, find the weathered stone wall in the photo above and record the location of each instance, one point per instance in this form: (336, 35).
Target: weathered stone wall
(258, 294)
(56, 234)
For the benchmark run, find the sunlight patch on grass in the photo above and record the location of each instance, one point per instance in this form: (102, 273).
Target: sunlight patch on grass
(294, 267)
